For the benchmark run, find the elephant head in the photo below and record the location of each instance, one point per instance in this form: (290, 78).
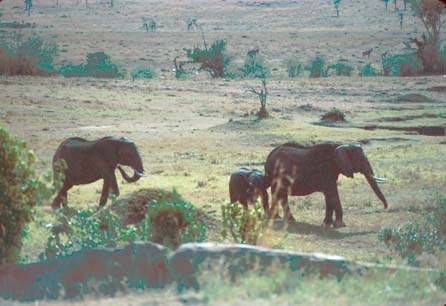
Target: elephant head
(351, 159)
(126, 154)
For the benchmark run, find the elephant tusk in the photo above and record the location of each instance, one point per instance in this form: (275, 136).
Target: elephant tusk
(139, 173)
(379, 179)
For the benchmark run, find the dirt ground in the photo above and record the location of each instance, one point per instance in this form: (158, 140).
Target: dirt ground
(193, 132)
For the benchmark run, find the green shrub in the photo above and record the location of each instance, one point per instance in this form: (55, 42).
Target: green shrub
(29, 57)
(143, 73)
(255, 66)
(211, 59)
(341, 68)
(86, 228)
(21, 189)
(317, 67)
(367, 71)
(246, 226)
(293, 67)
(400, 65)
(333, 115)
(425, 233)
(99, 65)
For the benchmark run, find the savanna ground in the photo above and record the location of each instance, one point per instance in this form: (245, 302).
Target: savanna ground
(193, 132)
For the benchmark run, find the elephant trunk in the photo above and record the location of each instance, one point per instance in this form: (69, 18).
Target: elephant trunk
(136, 175)
(373, 180)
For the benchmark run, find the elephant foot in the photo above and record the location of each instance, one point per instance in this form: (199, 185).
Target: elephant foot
(277, 216)
(290, 218)
(338, 224)
(327, 225)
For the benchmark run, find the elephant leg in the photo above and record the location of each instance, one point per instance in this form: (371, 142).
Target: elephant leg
(274, 210)
(334, 204)
(287, 215)
(61, 197)
(328, 221)
(109, 183)
(104, 194)
(264, 198)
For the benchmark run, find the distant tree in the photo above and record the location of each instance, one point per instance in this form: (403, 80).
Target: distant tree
(336, 4)
(28, 6)
(210, 59)
(263, 95)
(432, 15)
(191, 24)
(153, 25)
(394, 6)
(386, 2)
(401, 20)
(145, 23)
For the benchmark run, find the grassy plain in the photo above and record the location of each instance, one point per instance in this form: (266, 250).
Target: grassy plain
(193, 132)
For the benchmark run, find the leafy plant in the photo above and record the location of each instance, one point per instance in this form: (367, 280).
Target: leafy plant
(85, 228)
(341, 68)
(99, 65)
(293, 67)
(426, 233)
(21, 190)
(367, 71)
(317, 67)
(246, 226)
(336, 4)
(405, 64)
(143, 73)
(210, 59)
(255, 66)
(29, 57)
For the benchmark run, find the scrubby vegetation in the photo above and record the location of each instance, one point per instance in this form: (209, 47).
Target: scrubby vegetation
(293, 67)
(99, 65)
(166, 222)
(367, 71)
(143, 73)
(422, 234)
(21, 190)
(246, 226)
(32, 56)
(213, 59)
(317, 67)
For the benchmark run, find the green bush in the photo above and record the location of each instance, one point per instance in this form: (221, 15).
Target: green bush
(400, 65)
(317, 67)
(86, 228)
(341, 68)
(21, 189)
(143, 73)
(425, 233)
(211, 59)
(367, 71)
(99, 65)
(255, 66)
(293, 67)
(29, 57)
(246, 226)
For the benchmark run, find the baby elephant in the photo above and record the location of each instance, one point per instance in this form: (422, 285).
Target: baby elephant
(246, 185)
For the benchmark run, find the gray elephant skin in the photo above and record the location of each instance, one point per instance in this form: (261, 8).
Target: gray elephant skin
(88, 161)
(246, 185)
(295, 169)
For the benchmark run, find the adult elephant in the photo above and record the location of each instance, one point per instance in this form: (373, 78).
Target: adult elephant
(246, 185)
(294, 169)
(88, 161)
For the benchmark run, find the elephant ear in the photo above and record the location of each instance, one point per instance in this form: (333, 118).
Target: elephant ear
(343, 161)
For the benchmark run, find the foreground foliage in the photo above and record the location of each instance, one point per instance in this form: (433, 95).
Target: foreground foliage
(89, 228)
(21, 190)
(425, 234)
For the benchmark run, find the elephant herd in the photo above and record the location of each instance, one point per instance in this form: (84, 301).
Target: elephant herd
(290, 169)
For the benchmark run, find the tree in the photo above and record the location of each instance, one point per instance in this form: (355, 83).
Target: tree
(262, 94)
(28, 6)
(386, 2)
(20, 190)
(210, 59)
(432, 15)
(336, 4)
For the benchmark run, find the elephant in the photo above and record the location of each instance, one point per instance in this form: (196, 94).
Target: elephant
(88, 161)
(246, 185)
(295, 169)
